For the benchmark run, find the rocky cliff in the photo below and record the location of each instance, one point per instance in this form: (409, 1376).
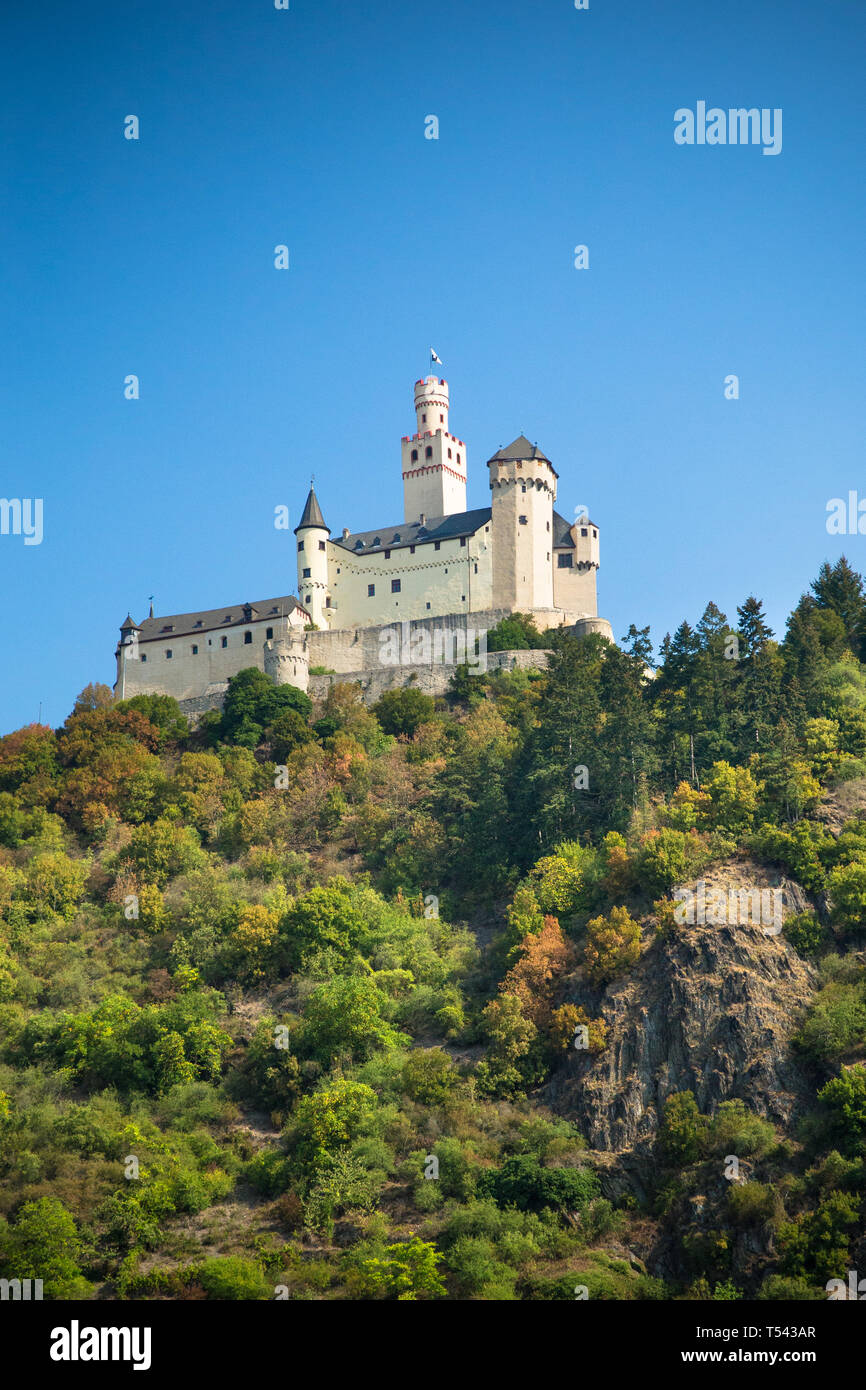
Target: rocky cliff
(710, 1009)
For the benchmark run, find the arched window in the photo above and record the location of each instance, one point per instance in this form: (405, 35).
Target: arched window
(414, 455)
(428, 452)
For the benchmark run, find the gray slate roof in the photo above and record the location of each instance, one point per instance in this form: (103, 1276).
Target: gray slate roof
(520, 448)
(214, 619)
(561, 529)
(312, 513)
(435, 528)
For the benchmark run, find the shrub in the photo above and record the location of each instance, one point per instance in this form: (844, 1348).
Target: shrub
(232, 1278)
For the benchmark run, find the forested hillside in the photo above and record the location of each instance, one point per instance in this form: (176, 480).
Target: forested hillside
(340, 1003)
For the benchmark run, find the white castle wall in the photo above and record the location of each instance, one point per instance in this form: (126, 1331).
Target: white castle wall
(453, 579)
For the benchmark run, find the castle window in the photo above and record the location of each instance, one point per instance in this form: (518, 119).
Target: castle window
(248, 637)
(168, 653)
(436, 545)
(300, 545)
(224, 641)
(395, 586)
(305, 574)
(595, 535)
(548, 525)
(423, 419)
(583, 531)
(144, 656)
(194, 650)
(414, 455)
(522, 520)
(476, 569)
(563, 562)
(462, 540)
(328, 601)
(458, 458)
(428, 605)
(449, 453)
(428, 452)
(411, 550)
(387, 554)
(441, 418)
(269, 632)
(371, 591)
(462, 598)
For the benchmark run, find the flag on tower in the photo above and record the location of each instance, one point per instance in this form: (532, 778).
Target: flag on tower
(434, 357)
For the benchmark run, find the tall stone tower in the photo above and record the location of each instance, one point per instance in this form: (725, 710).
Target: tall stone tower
(312, 534)
(434, 461)
(523, 491)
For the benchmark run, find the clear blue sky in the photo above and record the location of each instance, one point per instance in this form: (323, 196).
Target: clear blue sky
(306, 127)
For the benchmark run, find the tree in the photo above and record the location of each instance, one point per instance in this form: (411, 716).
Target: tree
(682, 1134)
(43, 1243)
(407, 1271)
(517, 632)
(343, 1016)
(840, 589)
(552, 798)
(93, 696)
(402, 711)
(253, 702)
(612, 946)
(532, 980)
(845, 1098)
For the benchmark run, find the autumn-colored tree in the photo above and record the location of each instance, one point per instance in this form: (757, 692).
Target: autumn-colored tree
(532, 980)
(612, 945)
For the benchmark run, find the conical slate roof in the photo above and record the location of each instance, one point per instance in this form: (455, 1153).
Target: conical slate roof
(312, 514)
(129, 625)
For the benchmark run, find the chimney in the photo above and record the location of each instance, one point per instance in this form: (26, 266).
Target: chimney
(346, 533)
(422, 518)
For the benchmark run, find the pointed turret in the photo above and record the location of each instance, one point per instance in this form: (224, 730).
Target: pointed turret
(312, 513)
(312, 533)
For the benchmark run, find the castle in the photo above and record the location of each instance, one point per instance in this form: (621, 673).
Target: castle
(441, 571)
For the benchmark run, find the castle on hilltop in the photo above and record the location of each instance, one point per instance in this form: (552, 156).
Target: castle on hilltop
(442, 569)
